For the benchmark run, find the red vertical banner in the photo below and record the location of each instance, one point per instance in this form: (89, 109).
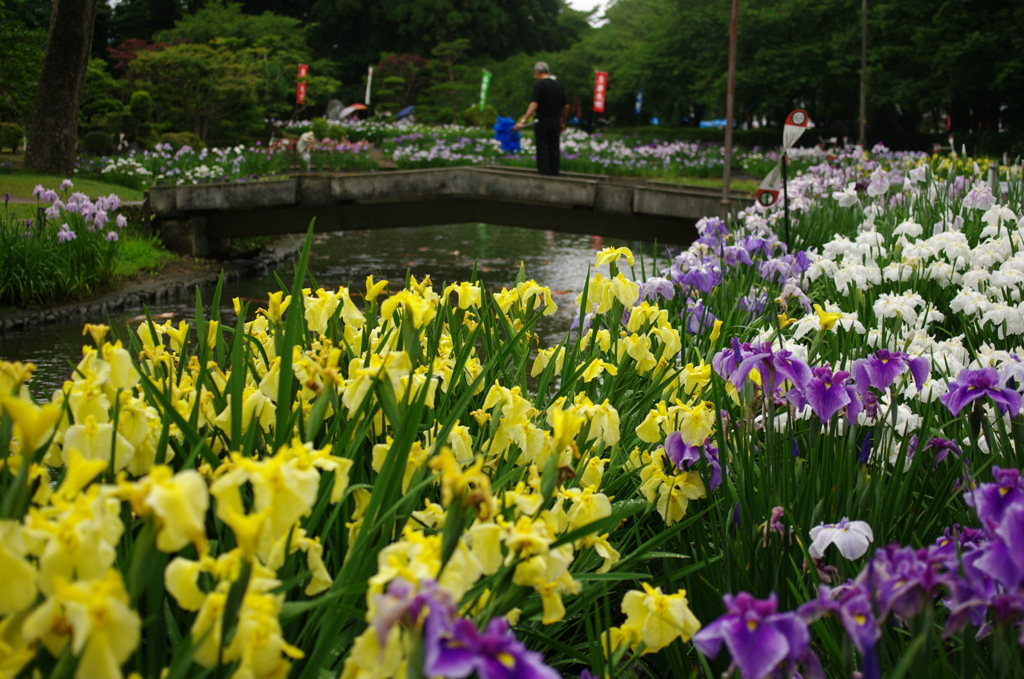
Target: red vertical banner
(300, 92)
(600, 90)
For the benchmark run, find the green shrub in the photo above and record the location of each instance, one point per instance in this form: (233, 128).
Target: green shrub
(320, 127)
(98, 142)
(141, 106)
(474, 116)
(11, 136)
(179, 139)
(114, 122)
(146, 136)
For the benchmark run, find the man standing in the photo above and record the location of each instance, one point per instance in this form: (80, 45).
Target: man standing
(551, 108)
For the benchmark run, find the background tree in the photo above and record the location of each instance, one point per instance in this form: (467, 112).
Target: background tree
(53, 138)
(144, 18)
(363, 30)
(450, 87)
(201, 88)
(275, 44)
(23, 25)
(402, 76)
(101, 95)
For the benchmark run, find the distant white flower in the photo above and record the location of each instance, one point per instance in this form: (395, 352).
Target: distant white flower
(879, 183)
(848, 196)
(918, 174)
(996, 215)
(850, 537)
(908, 227)
(980, 197)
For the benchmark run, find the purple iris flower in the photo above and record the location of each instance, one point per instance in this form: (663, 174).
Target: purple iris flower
(780, 269)
(684, 456)
(755, 245)
(758, 638)
(970, 385)
(588, 320)
(882, 368)
(754, 303)
(455, 648)
(802, 261)
(990, 500)
(827, 393)
(942, 448)
(698, 319)
(865, 448)
(851, 603)
(657, 287)
(403, 601)
(704, 279)
(713, 227)
(736, 363)
(904, 578)
(792, 368)
(1003, 554)
(858, 617)
(735, 255)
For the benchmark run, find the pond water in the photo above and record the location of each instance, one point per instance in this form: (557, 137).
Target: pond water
(447, 253)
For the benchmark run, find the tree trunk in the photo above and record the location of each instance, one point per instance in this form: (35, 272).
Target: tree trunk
(53, 134)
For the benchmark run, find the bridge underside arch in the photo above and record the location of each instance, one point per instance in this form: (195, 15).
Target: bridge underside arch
(202, 219)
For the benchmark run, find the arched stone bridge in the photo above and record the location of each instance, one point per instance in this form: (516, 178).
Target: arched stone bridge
(201, 219)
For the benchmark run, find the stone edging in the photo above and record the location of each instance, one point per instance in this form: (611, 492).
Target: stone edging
(152, 292)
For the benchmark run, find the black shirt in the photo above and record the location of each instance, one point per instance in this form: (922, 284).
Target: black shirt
(550, 98)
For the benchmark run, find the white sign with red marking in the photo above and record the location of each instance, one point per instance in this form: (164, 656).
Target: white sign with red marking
(768, 191)
(796, 124)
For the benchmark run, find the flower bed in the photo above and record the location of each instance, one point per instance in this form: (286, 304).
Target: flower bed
(755, 457)
(68, 250)
(164, 165)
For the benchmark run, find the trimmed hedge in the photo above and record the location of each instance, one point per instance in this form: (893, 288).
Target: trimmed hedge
(474, 116)
(179, 139)
(98, 142)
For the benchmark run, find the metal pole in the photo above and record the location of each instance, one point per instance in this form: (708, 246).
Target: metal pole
(730, 98)
(862, 138)
(785, 198)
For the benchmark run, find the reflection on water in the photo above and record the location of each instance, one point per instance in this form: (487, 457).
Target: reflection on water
(445, 253)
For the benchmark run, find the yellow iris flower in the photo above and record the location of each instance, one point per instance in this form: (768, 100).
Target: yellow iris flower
(613, 255)
(33, 425)
(658, 619)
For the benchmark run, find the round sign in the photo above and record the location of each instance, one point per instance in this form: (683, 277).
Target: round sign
(799, 117)
(766, 198)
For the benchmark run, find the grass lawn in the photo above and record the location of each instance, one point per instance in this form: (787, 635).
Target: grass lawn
(20, 185)
(19, 210)
(737, 185)
(141, 255)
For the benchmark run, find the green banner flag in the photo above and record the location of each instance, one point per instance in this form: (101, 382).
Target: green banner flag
(485, 84)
